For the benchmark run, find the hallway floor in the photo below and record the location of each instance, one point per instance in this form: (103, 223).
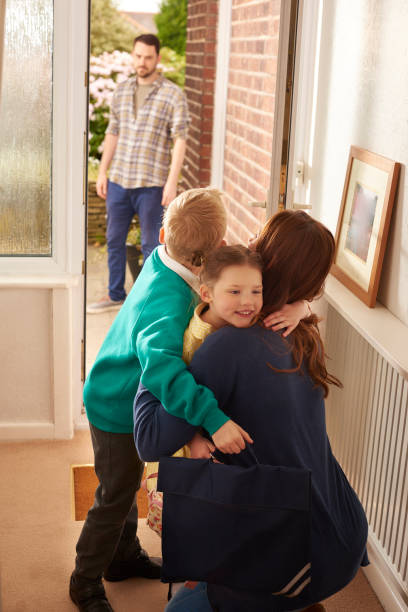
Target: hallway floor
(38, 537)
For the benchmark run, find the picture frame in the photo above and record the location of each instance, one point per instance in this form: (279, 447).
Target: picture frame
(364, 219)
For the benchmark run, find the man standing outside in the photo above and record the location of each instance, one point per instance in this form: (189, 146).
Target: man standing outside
(148, 114)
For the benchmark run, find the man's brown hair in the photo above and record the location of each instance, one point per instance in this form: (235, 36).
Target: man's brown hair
(148, 39)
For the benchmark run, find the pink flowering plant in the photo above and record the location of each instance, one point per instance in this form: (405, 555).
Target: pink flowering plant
(106, 71)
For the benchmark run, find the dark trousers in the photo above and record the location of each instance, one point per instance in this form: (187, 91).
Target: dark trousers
(109, 531)
(121, 205)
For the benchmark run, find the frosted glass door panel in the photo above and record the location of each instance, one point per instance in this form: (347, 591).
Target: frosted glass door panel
(26, 128)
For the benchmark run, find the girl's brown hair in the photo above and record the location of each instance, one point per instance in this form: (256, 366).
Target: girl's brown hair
(297, 252)
(225, 256)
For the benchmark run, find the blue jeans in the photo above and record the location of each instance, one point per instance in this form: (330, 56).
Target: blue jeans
(192, 600)
(189, 600)
(121, 205)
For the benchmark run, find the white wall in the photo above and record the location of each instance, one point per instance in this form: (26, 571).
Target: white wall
(363, 100)
(26, 364)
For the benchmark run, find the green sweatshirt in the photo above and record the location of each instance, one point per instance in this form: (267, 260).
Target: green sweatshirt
(145, 343)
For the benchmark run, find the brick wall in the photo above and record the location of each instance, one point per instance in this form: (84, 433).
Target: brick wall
(199, 88)
(250, 105)
(250, 112)
(96, 216)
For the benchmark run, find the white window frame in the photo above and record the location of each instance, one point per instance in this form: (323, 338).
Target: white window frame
(68, 151)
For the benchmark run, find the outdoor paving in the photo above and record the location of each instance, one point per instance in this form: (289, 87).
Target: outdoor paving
(97, 325)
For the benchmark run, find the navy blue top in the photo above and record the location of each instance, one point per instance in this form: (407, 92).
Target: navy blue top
(284, 414)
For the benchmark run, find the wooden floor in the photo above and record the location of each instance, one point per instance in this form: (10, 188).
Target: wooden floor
(38, 536)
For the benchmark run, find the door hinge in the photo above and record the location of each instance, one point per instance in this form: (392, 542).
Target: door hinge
(84, 170)
(282, 202)
(299, 172)
(86, 78)
(83, 268)
(82, 360)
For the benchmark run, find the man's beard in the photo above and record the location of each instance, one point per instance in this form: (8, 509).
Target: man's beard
(145, 73)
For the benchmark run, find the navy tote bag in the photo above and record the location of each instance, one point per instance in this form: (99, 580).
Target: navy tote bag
(246, 528)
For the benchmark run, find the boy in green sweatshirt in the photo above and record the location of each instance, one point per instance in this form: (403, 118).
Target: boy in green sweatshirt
(145, 343)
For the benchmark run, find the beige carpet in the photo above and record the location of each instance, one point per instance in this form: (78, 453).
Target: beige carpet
(38, 537)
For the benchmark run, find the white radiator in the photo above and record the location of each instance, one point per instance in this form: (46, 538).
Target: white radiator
(367, 422)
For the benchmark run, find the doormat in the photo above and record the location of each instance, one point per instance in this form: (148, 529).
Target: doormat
(83, 485)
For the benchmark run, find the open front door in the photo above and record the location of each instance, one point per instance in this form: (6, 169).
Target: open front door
(295, 106)
(300, 154)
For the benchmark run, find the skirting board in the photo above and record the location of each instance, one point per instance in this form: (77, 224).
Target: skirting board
(27, 431)
(389, 591)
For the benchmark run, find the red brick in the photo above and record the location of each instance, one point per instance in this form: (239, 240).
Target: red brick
(250, 106)
(207, 112)
(208, 98)
(209, 73)
(205, 176)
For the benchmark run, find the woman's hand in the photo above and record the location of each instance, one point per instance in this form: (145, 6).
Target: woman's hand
(230, 438)
(288, 316)
(200, 447)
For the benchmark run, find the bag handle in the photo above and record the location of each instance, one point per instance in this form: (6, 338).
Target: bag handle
(251, 451)
(248, 447)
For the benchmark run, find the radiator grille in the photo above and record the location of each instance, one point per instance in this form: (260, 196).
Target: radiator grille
(367, 422)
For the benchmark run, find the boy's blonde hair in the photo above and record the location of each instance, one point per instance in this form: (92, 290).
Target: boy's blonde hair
(194, 224)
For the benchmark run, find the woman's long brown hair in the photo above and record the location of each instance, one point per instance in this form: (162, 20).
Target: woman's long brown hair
(297, 252)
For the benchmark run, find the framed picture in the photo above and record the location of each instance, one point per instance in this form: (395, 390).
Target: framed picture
(364, 220)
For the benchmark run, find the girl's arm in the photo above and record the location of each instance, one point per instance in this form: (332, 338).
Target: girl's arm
(288, 316)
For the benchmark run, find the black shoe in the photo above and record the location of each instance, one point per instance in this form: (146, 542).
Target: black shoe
(137, 565)
(89, 595)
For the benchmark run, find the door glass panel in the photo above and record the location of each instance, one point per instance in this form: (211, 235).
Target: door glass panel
(26, 39)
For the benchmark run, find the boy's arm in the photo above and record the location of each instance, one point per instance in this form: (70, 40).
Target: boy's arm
(288, 316)
(157, 433)
(159, 346)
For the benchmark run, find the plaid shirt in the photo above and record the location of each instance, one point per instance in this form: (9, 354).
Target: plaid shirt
(142, 156)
